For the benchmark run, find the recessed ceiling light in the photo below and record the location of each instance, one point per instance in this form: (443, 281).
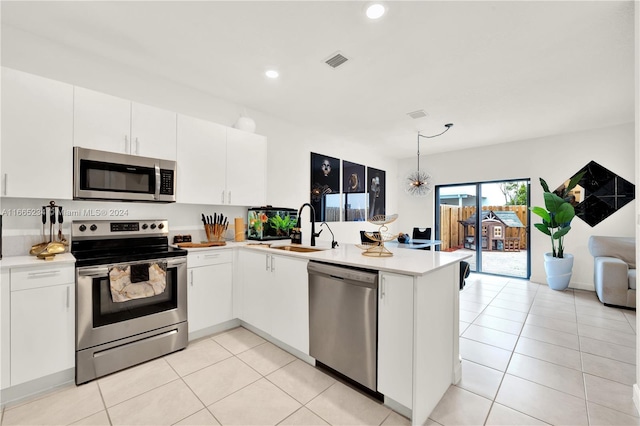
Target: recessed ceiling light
(375, 10)
(272, 73)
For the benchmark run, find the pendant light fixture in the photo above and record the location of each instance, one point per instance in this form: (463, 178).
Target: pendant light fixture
(419, 182)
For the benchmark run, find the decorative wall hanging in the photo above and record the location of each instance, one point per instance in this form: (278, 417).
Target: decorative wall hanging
(599, 194)
(325, 187)
(376, 188)
(354, 188)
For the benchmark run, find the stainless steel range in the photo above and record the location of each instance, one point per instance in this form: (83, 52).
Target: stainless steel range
(131, 295)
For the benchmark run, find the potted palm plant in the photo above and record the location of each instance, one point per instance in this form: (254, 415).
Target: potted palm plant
(556, 223)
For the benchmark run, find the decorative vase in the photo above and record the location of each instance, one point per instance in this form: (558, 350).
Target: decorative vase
(558, 270)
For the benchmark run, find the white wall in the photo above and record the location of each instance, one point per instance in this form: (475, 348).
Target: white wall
(555, 159)
(289, 145)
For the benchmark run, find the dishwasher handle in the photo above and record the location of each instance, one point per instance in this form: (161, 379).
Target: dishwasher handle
(360, 277)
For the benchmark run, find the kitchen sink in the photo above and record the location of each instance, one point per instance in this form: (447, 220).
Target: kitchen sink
(297, 249)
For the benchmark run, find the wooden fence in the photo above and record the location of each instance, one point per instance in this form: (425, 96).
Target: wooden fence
(452, 232)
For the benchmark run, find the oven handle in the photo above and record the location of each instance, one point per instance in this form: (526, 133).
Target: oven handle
(98, 271)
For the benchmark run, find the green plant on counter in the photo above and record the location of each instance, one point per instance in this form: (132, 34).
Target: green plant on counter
(282, 225)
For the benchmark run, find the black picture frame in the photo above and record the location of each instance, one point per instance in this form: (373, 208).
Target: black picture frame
(354, 189)
(325, 187)
(376, 189)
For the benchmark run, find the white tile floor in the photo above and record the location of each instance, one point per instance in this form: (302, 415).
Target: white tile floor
(530, 356)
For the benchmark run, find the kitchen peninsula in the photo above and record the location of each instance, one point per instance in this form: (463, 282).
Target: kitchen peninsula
(418, 318)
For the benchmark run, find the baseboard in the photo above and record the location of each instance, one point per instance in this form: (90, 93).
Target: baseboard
(218, 328)
(636, 397)
(293, 351)
(397, 407)
(15, 394)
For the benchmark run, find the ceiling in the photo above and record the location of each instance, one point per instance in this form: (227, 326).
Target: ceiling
(500, 71)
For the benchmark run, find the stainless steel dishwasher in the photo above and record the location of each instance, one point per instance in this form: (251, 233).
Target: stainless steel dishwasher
(343, 315)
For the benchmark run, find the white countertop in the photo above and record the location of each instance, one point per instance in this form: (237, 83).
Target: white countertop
(31, 261)
(403, 261)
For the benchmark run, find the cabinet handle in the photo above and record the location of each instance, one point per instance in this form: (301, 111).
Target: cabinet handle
(273, 265)
(191, 278)
(4, 187)
(126, 145)
(222, 197)
(229, 197)
(35, 274)
(137, 147)
(383, 288)
(211, 255)
(68, 297)
(267, 262)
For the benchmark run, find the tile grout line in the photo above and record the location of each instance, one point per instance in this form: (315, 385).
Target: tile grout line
(104, 404)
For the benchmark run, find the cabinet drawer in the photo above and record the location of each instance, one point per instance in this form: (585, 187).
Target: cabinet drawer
(28, 278)
(209, 257)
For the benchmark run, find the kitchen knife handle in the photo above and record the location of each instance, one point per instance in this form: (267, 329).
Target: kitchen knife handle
(44, 215)
(52, 214)
(60, 220)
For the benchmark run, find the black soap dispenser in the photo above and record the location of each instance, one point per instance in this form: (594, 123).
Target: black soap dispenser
(296, 236)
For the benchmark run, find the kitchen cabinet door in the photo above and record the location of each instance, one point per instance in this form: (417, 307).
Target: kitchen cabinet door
(256, 290)
(101, 121)
(42, 332)
(246, 168)
(290, 307)
(37, 136)
(201, 157)
(395, 337)
(210, 288)
(5, 330)
(153, 132)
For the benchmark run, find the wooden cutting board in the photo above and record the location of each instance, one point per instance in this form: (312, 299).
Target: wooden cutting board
(199, 245)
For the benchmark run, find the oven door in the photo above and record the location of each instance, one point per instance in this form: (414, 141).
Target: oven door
(100, 320)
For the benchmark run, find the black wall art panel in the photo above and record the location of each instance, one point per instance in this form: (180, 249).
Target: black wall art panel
(325, 187)
(599, 194)
(376, 188)
(354, 188)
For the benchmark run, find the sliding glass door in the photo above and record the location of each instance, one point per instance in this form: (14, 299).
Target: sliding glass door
(489, 220)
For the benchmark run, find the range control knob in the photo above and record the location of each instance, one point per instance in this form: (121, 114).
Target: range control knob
(93, 227)
(153, 226)
(145, 226)
(160, 225)
(82, 228)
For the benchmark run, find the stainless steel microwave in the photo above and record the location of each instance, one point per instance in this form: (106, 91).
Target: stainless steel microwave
(102, 175)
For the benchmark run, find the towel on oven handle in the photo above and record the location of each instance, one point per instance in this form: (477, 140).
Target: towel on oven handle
(137, 281)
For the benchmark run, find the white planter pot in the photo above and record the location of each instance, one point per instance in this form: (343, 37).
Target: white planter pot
(558, 270)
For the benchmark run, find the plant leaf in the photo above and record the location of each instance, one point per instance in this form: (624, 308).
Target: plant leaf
(565, 214)
(573, 182)
(541, 212)
(561, 232)
(544, 185)
(542, 228)
(552, 202)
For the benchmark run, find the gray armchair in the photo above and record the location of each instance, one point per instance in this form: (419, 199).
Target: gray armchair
(614, 270)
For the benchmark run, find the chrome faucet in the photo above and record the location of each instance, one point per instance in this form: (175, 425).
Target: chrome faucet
(334, 243)
(313, 222)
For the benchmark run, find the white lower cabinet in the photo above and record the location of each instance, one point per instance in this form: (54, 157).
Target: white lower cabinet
(275, 296)
(210, 288)
(42, 322)
(395, 337)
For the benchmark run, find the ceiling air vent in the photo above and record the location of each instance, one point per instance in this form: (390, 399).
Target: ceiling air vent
(336, 60)
(417, 114)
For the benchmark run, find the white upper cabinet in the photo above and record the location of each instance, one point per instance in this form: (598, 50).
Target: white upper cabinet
(109, 123)
(37, 136)
(201, 158)
(153, 132)
(219, 164)
(101, 121)
(246, 168)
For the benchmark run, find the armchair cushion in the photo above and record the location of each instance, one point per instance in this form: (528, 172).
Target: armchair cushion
(614, 275)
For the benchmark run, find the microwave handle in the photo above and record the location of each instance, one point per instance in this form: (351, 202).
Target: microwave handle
(156, 196)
